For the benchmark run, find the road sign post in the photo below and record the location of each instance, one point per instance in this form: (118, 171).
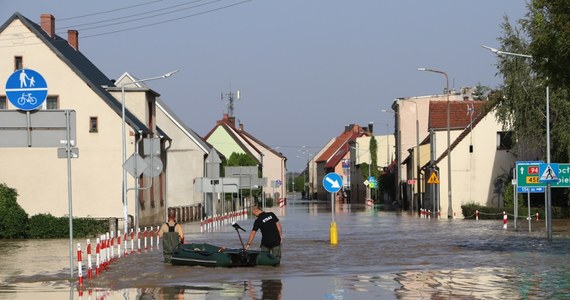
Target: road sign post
(332, 182)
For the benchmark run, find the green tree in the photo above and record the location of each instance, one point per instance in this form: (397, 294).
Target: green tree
(13, 219)
(373, 148)
(521, 100)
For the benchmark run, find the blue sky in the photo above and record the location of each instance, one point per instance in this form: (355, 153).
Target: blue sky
(304, 69)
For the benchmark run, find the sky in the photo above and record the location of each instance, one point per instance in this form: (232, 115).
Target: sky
(304, 68)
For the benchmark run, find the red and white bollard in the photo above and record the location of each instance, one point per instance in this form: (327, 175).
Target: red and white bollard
(126, 245)
(139, 239)
(537, 216)
(89, 264)
(145, 238)
(438, 214)
(107, 248)
(97, 257)
(112, 245)
(79, 265)
(103, 255)
(151, 237)
(119, 243)
(505, 218)
(477, 215)
(429, 214)
(157, 236)
(132, 240)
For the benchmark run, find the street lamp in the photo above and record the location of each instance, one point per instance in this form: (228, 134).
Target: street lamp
(449, 202)
(548, 192)
(124, 139)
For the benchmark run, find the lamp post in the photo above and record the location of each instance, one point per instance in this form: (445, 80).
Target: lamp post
(398, 156)
(548, 186)
(124, 140)
(449, 200)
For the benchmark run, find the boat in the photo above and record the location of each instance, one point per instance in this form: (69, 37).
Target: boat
(208, 255)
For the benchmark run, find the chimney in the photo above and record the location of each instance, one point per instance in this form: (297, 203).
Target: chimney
(73, 38)
(241, 126)
(370, 128)
(48, 24)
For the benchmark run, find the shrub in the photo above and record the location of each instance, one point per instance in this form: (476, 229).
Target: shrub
(13, 218)
(46, 226)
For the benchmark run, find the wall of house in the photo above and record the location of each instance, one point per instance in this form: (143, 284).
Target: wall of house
(474, 174)
(38, 175)
(224, 142)
(185, 162)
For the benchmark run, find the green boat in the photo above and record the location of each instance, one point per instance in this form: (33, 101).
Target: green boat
(208, 255)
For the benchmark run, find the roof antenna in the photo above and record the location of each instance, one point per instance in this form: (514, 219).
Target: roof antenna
(231, 97)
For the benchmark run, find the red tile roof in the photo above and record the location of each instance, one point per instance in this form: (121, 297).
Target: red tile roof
(333, 155)
(459, 116)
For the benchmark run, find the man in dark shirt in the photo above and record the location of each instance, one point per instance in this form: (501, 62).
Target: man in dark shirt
(271, 235)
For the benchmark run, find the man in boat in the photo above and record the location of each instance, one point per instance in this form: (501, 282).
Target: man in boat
(171, 234)
(271, 234)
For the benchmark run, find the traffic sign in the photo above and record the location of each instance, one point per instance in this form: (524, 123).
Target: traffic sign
(528, 174)
(372, 182)
(332, 182)
(538, 189)
(433, 179)
(549, 172)
(563, 176)
(26, 89)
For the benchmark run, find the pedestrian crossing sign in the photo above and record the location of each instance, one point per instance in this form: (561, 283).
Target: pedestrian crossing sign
(433, 178)
(548, 172)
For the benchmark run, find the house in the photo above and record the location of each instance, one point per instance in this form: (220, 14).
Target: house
(185, 155)
(480, 154)
(336, 158)
(228, 138)
(96, 175)
(479, 157)
(360, 155)
(73, 83)
(411, 122)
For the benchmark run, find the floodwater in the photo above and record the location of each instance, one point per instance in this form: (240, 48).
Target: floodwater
(380, 255)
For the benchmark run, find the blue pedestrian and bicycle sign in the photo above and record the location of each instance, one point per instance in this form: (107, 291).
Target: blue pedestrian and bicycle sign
(26, 89)
(332, 182)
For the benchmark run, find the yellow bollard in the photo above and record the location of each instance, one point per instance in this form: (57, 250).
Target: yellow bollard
(334, 235)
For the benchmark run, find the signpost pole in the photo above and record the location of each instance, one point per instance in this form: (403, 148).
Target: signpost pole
(69, 196)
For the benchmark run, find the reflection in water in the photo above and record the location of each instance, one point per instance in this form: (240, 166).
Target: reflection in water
(380, 255)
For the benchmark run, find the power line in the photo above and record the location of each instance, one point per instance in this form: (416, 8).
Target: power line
(12, 38)
(171, 20)
(109, 11)
(138, 14)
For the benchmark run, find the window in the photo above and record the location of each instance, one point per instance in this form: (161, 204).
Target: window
(504, 140)
(52, 102)
(3, 102)
(18, 63)
(93, 124)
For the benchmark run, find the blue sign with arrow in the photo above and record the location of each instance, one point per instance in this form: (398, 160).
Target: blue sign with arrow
(26, 89)
(332, 182)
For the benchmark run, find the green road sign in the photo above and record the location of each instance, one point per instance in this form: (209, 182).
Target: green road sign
(528, 175)
(563, 176)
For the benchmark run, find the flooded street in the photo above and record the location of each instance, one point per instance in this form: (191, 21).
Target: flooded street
(380, 255)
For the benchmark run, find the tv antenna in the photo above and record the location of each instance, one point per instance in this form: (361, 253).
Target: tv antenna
(230, 97)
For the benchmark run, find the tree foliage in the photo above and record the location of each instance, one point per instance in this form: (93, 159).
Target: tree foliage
(521, 101)
(13, 218)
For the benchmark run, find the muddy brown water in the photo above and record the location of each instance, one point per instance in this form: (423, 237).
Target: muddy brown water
(380, 255)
